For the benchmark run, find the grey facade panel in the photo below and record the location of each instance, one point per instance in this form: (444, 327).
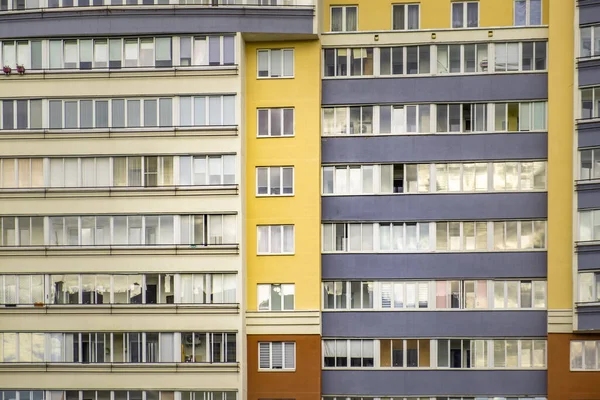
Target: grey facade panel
(588, 134)
(435, 265)
(589, 72)
(588, 196)
(434, 382)
(409, 324)
(429, 148)
(415, 89)
(144, 21)
(435, 207)
(589, 11)
(588, 257)
(588, 318)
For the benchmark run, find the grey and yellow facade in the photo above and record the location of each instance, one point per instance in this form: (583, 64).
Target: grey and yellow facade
(299, 199)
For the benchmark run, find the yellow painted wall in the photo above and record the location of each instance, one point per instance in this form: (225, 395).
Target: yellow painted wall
(376, 15)
(560, 154)
(303, 152)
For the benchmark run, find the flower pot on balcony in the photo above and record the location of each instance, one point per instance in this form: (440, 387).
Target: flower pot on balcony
(6, 70)
(21, 69)
(38, 304)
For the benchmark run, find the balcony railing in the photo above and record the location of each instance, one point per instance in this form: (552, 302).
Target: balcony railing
(33, 5)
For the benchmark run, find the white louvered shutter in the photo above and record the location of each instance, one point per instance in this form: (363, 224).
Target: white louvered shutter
(290, 355)
(264, 355)
(277, 355)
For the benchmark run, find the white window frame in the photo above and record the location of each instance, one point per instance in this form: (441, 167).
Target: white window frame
(528, 13)
(269, 238)
(344, 10)
(582, 357)
(284, 345)
(269, 61)
(269, 119)
(281, 188)
(465, 22)
(282, 287)
(405, 5)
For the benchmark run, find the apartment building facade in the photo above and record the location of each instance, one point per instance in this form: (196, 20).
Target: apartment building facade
(297, 199)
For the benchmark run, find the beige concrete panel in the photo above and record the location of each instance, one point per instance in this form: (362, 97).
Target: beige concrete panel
(131, 87)
(121, 205)
(122, 263)
(113, 323)
(425, 37)
(283, 323)
(181, 380)
(120, 146)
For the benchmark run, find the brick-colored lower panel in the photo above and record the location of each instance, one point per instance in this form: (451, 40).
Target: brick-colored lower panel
(562, 383)
(302, 384)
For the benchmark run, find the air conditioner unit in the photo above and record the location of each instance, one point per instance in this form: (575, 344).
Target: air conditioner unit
(196, 339)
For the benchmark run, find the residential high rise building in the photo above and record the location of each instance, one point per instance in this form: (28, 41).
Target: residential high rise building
(299, 199)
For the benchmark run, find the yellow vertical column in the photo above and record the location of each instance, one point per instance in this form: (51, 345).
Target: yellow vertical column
(561, 61)
(302, 325)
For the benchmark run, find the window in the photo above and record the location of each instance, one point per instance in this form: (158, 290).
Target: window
(348, 62)
(409, 353)
(514, 235)
(527, 12)
(349, 353)
(465, 14)
(151, 288)
(405, 17)
(275, 239)
(590, 102)
(589, 225)
(206, 50)
(524, 56)
(434, 295)
(275, 63)
(466, 58)
(590, 41)
(127, 347)
(276, 355)
(589, 286)
(274, 181)
(520, 117)
(130, 230)
(585, 355)
(461, 117)
(21, 114)
(207, 170)
(369, 237)
(207, 111)
(409, 60)
(344, 19)
(275, 122)
(276, 297)
(21, 173)
(349, 295)
(388, 237)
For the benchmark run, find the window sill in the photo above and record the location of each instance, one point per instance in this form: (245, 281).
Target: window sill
(79, 367)
(429, 369)
(260, 78)
(129, 72)
(274, 254)
(436, 30)
(48, 133)
(275, 137)
(432, 193)
(431, 310)
(117, 192)
(49, 251)
(370, 135)
(433, 75)
(274, 195)
(438, 252)
(128, 309)
(277, 370)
